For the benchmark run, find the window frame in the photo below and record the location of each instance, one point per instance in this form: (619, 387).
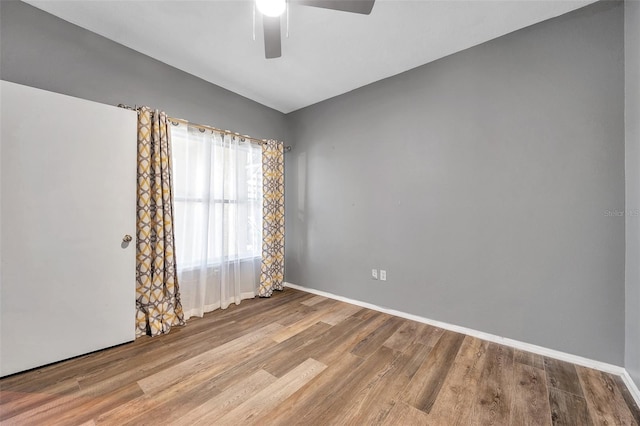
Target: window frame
(213, 202)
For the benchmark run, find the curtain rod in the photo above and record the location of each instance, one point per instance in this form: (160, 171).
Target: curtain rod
(176, 121)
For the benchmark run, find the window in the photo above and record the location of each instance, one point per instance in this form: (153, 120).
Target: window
(217, 183)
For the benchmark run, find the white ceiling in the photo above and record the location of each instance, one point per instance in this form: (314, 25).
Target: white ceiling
(327, 53)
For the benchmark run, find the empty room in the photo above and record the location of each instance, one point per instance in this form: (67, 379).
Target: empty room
(320, 212)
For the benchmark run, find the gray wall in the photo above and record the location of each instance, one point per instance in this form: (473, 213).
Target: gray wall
(40, 50)
(481, 183)
(632, 170)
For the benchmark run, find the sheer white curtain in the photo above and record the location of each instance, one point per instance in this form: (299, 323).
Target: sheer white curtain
(218, 218)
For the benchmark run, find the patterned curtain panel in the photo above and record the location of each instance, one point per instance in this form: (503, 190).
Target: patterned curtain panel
(157, 297)
(272, 270)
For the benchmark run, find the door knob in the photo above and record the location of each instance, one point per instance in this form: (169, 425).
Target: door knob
(127, 238)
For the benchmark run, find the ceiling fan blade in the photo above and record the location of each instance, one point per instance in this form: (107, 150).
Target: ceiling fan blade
(355, 6)
(272, 45)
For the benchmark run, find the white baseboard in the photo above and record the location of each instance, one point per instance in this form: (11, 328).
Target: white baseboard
(540, 350)
(631, 385)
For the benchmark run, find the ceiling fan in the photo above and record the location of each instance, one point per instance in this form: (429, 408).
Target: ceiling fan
(272, 9)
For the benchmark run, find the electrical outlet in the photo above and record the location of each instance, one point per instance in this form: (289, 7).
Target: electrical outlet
(383, 275)
(374, 274)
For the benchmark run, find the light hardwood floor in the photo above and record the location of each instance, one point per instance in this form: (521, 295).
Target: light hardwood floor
(303, 359)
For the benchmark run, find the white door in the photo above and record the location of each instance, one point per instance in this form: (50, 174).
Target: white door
(67, 194)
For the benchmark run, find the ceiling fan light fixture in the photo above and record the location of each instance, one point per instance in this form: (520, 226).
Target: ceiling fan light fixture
(271, 8)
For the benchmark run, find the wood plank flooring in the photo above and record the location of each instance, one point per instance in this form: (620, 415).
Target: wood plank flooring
(300, 359)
